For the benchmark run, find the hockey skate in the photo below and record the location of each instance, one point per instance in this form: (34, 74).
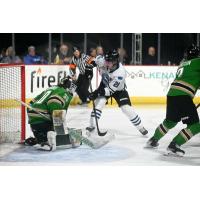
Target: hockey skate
(174, 149)
(152, 143)
(143, 131)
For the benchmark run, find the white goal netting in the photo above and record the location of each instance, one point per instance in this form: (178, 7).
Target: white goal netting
(10, 111)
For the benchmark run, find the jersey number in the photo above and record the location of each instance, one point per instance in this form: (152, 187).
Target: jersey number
(43, 97)
(116, 84)
(179, 72)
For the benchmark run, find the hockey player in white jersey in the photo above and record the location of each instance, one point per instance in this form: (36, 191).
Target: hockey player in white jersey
(113, 85)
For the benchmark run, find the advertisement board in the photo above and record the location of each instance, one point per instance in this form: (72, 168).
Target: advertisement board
(145, 84)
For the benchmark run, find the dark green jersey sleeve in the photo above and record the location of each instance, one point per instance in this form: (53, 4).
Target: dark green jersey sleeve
(187, 79)
(54, 98)
(59, 99)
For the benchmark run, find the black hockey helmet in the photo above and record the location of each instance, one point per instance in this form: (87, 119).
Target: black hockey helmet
(68, 84)
(111, 55)
(192, 52)
(112, 58)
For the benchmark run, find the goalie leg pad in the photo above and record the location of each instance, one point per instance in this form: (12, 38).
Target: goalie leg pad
(63, 141)
(76, 142)
(59, 121)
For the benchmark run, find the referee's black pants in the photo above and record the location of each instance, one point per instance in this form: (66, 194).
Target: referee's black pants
(82, 87)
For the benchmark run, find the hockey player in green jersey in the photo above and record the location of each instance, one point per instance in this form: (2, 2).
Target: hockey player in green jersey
(47, 104)
(180, 106)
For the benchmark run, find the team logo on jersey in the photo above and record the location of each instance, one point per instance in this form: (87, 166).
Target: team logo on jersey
(120, 77)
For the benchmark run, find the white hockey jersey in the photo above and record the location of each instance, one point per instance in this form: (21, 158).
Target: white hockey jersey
(115, 80)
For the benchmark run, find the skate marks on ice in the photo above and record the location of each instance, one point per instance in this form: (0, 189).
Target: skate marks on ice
(79, 156)
(8, 148)
(191, 158)
(126, 149)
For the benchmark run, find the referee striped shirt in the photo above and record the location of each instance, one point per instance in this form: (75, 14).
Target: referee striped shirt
(80, 63)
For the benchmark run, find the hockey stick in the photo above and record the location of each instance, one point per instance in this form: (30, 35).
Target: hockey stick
(197, 106)
(95, 116)
(31, 108)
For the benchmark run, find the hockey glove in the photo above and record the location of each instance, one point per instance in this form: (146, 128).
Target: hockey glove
(93, 95)
(99, 92)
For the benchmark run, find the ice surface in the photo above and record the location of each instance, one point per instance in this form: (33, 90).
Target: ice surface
(126, 149)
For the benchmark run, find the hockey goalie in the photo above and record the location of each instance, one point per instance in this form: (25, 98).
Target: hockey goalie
(47, 119)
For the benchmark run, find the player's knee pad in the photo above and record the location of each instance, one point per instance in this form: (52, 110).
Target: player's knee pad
(128, 111)
(169, 124)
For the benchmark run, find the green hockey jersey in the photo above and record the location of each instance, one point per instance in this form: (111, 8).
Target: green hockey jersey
(187, 79)
(54, 98)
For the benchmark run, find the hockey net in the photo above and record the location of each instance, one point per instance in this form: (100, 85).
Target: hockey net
(12, 114)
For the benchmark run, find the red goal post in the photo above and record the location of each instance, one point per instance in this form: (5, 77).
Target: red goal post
(12, 113)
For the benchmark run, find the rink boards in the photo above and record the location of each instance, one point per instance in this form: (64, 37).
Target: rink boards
(145, 84)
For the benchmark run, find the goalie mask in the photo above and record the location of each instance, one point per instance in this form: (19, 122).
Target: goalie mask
(68, 84)
(111, 58)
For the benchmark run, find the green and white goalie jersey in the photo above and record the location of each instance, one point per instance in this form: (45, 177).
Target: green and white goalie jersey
(54, 98)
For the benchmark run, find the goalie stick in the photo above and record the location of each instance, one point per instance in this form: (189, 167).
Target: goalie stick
(31, 108)
(86, 141)
(93, 144)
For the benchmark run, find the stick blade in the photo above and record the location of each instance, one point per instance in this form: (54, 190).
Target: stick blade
(100, 141)
(102, 133)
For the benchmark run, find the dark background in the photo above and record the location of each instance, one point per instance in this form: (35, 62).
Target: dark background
(172, 44)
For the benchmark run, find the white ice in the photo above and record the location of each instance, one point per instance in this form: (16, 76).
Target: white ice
(126, 149)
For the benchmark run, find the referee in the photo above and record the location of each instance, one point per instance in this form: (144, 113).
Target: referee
(82, 62)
